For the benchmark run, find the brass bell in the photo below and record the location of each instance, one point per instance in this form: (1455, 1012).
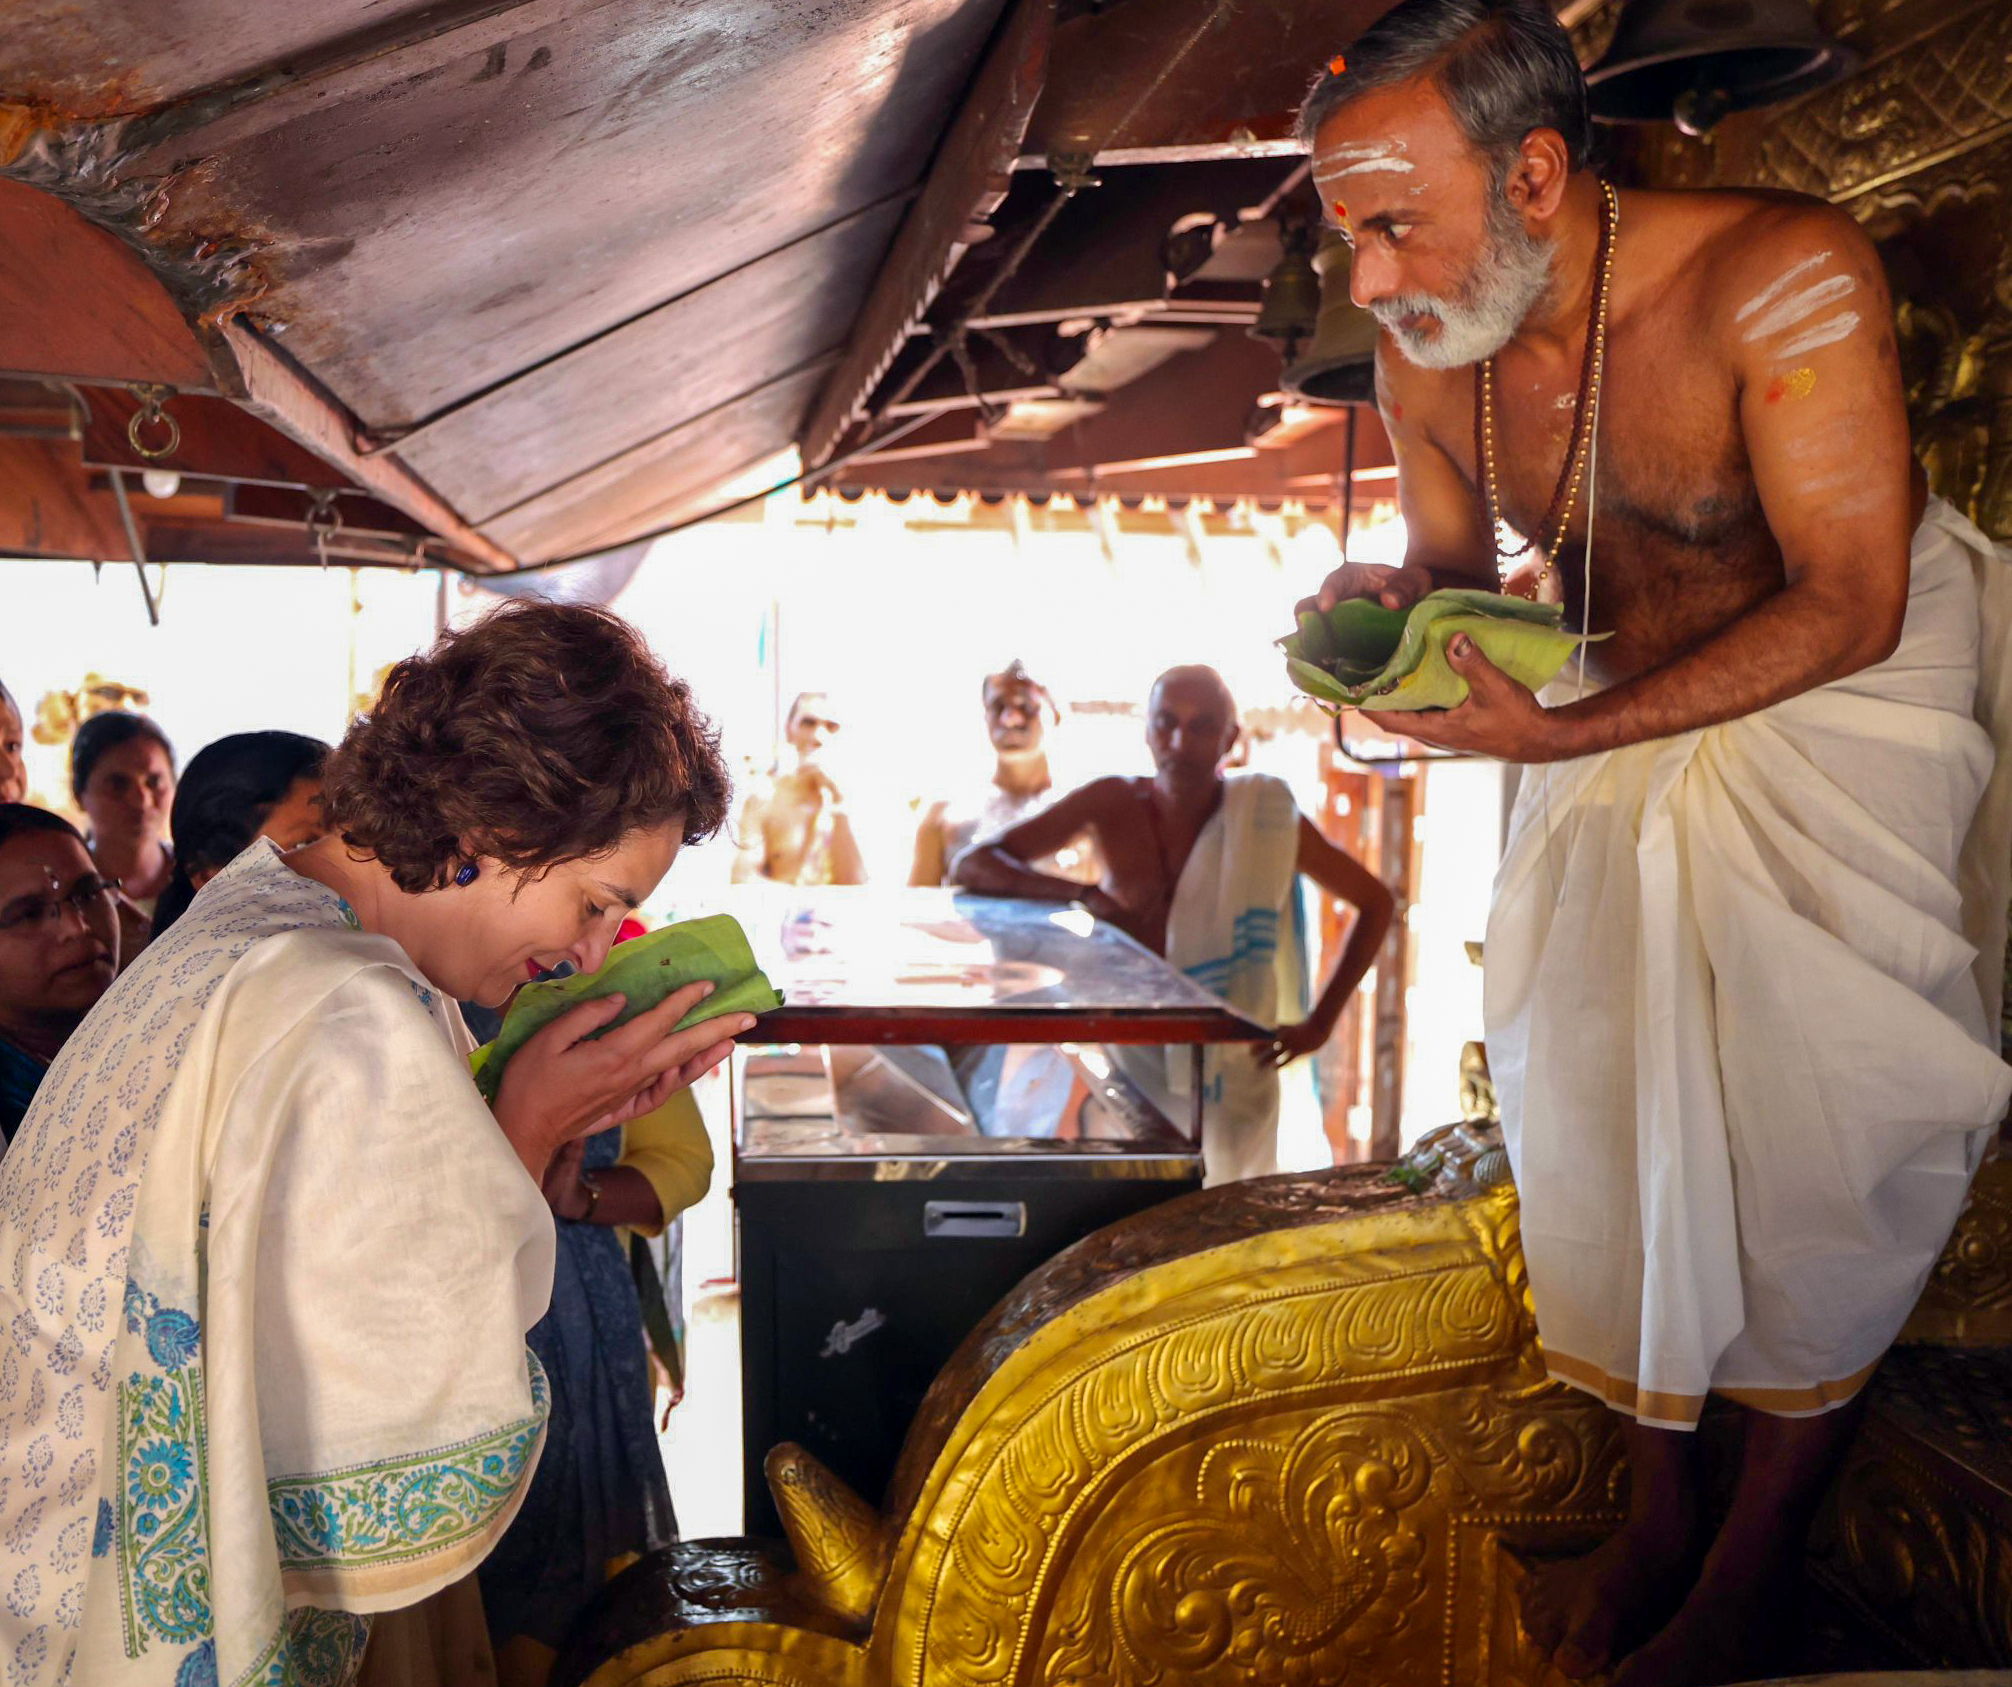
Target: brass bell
(1340, 364)
(1692, 62)
(1290, 303)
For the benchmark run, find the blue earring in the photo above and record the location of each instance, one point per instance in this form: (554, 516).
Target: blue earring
(467, 875)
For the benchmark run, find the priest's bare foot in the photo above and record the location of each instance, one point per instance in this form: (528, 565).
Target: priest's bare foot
(1721, 1635)
(1590, 1611)
(1741, 1615)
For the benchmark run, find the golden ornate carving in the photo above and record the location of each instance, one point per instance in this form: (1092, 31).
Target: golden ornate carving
(841, 1556)
(1940, 95)
(1917, 1535)
(1968, 1301)
(1289, 1457)
(1298, 1433)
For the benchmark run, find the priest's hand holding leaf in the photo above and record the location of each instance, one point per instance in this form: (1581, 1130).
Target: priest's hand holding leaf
(1499, 717)
(1364, 654)
(1392, 587)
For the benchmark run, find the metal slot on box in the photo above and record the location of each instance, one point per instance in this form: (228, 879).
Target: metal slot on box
(974, 1218)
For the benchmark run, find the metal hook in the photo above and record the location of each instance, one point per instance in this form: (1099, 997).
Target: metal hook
(153, 397)
(324, 521)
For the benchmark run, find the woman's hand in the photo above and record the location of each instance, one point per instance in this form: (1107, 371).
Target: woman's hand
(564, 1083)
(565, 1184)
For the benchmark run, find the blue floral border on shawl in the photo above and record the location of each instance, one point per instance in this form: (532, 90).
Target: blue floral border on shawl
(393, 1510)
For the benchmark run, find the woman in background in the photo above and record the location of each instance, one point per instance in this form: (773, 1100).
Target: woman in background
(13, 766)
(249, 785)
(599, 1497)
(122, 773)
(59, 948)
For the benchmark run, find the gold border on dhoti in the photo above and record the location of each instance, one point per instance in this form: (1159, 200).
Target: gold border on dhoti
(1681, 1411)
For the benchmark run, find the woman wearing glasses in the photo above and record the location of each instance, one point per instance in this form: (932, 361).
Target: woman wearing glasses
(59, 947)
(267, 1258)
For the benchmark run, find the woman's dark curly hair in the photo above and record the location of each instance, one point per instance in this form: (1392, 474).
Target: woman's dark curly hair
(543, 733)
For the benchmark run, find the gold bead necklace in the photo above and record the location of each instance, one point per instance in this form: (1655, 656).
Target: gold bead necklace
(1558, 518)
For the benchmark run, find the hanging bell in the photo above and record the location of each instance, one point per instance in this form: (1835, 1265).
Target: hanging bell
(1340, 364)
(1692, 62)
(1289, 306)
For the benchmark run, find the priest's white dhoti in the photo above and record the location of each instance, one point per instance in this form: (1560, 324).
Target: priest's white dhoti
(1745, 1063)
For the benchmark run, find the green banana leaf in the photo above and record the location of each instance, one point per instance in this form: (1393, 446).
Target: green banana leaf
(1364, 656)
(645, 971)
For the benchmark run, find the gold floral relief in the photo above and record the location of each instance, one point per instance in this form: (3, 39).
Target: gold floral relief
(1271, 1466)
(1968, 1301)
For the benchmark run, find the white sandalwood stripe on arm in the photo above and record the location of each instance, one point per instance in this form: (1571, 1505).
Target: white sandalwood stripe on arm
(1799, 307)
(1826, 333)
(1781, 284)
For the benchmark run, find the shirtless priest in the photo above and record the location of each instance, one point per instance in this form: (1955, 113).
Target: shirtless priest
(1745, 1060)
(1202, 869)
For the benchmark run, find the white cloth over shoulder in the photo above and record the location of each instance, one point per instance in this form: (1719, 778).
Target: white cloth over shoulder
(272, 1268)
(1234, 929)
(1745, 1070)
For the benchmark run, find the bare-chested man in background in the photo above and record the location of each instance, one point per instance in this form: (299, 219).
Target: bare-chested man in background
(794, 828)
(1018, 712)
(1744, 1065)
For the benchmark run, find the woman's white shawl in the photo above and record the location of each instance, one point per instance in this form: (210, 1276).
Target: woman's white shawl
(266, 1266)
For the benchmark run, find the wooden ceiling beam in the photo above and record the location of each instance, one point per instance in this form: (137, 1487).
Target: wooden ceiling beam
(218, 441)
(969, 180)
(269, 386)
(1235, 94)
(226, 542)
(78, 304)
(47, 510)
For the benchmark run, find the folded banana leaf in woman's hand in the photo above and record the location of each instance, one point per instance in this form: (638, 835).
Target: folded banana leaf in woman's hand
(1361, 655)
(645, 971)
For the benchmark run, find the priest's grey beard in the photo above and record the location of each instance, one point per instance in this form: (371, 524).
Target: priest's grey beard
(1512, 273)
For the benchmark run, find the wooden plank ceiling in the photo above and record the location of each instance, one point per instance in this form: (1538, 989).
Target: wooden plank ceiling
(537, 277)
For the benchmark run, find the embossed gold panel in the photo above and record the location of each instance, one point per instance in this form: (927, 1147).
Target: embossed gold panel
(1294, 1457)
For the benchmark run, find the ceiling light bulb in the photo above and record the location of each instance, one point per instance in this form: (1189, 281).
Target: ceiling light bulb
(160, 483)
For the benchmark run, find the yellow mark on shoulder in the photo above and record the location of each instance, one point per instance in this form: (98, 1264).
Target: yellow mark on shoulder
(1797, 383)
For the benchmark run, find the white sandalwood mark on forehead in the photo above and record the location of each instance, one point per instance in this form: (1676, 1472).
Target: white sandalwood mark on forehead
(1402, 166)
(1826, 333)
(1799, 307)
(1373, 151)
(1781, 284)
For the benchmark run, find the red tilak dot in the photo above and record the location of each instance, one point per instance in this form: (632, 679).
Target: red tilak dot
(1341, 211)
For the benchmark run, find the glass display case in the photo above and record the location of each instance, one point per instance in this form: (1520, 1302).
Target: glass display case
(930, 1116)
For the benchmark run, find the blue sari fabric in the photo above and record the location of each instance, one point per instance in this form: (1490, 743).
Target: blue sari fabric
(599, 1491)
(21, 1075)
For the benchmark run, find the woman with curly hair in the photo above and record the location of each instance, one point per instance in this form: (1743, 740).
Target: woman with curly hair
(270, 1258)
